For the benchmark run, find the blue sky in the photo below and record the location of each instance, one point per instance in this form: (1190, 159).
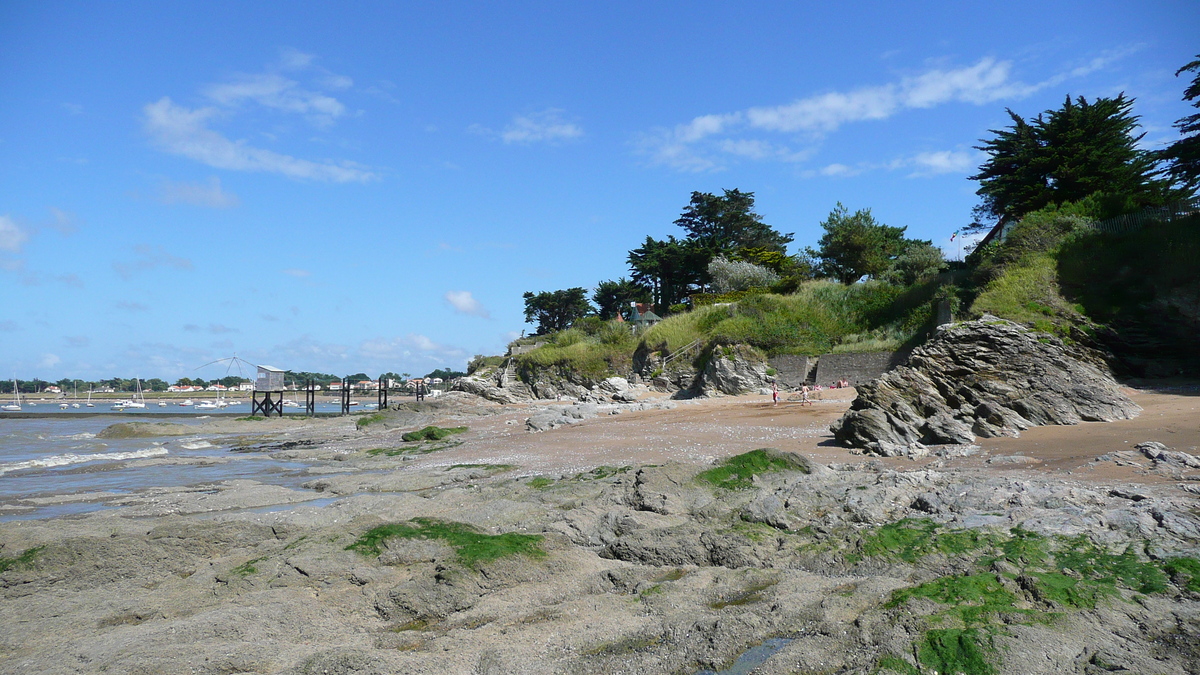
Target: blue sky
(371, 187)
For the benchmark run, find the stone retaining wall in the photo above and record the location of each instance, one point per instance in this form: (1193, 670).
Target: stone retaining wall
(857, 368)
(791, 370)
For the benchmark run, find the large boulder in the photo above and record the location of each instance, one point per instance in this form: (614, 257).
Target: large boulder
(980, 378)
(735, 370)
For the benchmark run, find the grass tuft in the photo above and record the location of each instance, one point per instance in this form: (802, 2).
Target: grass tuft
(471, 545)
(368, 420)
(432, 433)
(955, 651)
(737, 472)
(23, 561)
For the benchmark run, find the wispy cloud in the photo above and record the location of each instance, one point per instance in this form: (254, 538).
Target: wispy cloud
(207, 194)
(184, 131)
(920, 165)
(189, 132)
(148, 258)
(298, 273)
(275, 91)
(12, 236)
(77, 340)
(128, 306)
(8, 326)
(214, 328)
(464, 303)
(708, 142)
(413, 347)
(546, 126)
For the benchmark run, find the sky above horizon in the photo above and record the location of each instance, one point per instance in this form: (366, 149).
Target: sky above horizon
(372, 187)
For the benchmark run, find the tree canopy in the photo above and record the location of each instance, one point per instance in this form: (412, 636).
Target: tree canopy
(856, 245)
(716, 225)
(554, 311)
(611, 297)
(1065, 155)
(728, 222)
(669, 268)
(1183, 156)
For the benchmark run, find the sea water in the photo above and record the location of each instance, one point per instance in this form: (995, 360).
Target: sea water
(62, 455)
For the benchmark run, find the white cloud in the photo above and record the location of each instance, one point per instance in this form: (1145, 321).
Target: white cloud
(148, 258)
(280, 93)
(945, 161)
(464, 303)
(410, 348)
(50, 360)
(294, 59)
(12, 237)
(198, 194)
(73, 108)
(544, 126)
(298, 273)
(182, 131)
(707, 142)
(922, 164)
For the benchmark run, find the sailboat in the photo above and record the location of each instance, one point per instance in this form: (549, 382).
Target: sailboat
(89, 401)
(15, 406)
(138, 400)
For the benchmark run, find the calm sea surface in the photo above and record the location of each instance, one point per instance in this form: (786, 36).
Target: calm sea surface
(60, 455)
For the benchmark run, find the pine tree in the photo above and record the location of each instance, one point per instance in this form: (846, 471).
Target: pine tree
(1183, 156)
(1066, 155)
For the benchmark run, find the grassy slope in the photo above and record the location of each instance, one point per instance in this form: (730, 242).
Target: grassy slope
(1138, 293)
(821, 317)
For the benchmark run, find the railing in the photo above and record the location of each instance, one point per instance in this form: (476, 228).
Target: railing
(681, 351)
(1154, 214)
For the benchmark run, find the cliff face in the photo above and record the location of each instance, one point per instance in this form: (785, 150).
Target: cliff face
(980, 378)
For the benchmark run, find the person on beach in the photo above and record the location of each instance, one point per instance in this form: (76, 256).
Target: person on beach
(775, 393)
(804, 395)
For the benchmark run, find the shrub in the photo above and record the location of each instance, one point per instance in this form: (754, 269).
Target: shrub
(738, 275)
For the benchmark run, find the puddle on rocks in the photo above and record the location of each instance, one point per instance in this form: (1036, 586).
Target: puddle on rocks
(752, 658)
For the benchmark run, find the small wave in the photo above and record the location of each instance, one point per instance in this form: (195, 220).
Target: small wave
(82, 436)
(196, 445)
(70, 458)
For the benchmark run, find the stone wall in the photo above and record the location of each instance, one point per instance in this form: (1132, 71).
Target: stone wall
(791, 370)
(857, 368)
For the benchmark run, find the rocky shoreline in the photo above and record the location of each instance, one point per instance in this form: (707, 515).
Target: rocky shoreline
(395, 561)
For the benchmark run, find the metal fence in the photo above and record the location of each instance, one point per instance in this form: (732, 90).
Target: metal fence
(1155, 214)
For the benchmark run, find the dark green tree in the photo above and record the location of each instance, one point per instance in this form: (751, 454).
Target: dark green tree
(1065, 155)
(855, 245)
(445, 374)
(612, 297)
(672, 269)
(553, 311)
(729, 222)
(155, 384)
(1183, 156)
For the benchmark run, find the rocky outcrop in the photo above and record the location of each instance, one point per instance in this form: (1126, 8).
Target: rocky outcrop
(735, 370)
(488, 388)
(980, 378)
